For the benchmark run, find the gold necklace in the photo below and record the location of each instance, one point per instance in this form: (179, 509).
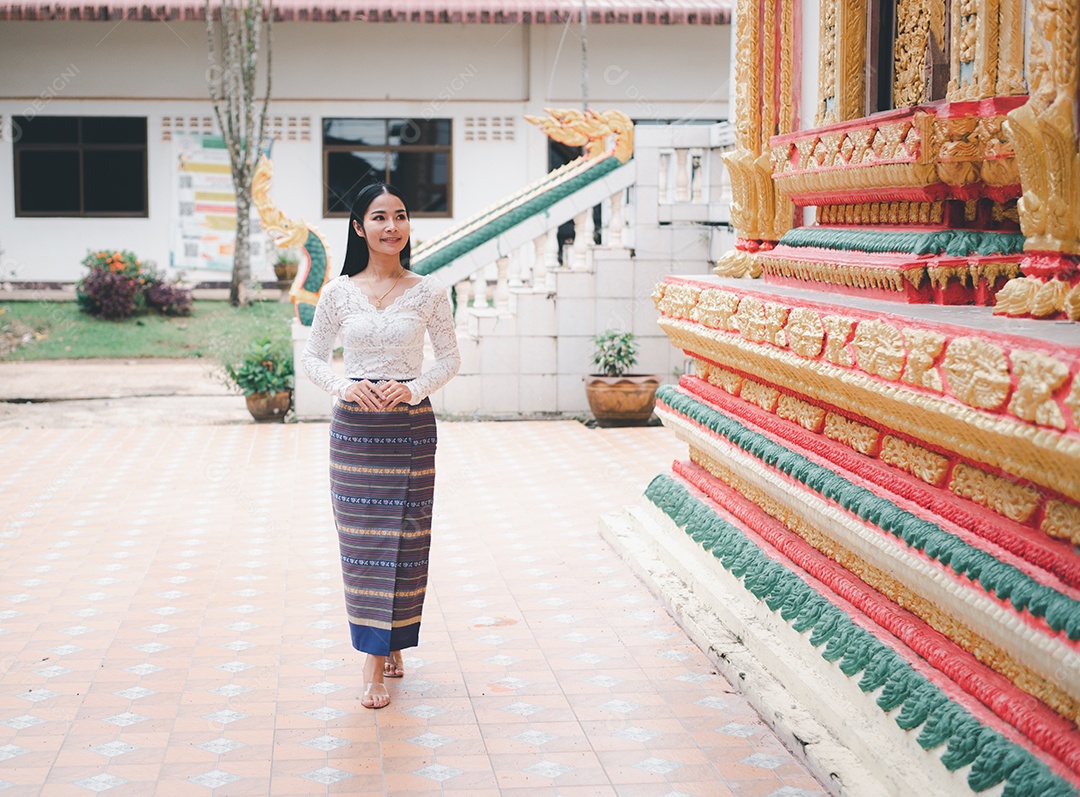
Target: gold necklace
(378, 299)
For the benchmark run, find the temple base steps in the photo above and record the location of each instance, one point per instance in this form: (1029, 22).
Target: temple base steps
(819, 713)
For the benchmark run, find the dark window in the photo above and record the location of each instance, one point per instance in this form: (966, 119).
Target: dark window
(881, 41)
(412, 154)
(80, 166)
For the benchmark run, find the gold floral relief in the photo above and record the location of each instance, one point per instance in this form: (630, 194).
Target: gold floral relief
(924, 347)
(658, 294)
(762, 395)
(913, 459)
(805, 332)
(1007, 498)
(801, 412)
(751, 319)
(826, 111)
(1061, 520)
(775, 318)
(716, 309)
(1037, 378)
(977, 373)
(860, 437)
(728, 381)
(879, 349)
(678, 300)
(1072, 401)
(839, 332)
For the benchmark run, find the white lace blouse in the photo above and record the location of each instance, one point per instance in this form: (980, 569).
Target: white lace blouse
(383, 344)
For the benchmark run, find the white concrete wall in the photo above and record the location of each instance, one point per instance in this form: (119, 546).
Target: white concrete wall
(325, 70)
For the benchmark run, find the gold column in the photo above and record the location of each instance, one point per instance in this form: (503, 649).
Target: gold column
(763, 98)
(1044, 134)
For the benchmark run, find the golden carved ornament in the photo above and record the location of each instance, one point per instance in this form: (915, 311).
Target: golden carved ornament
(737, 263)
(850, 91)
(678, 300)
(1044, 131)
(916, 460)
(824, 540)
(801, 412)
(589, 129)
(826, 110)
(1049, 299)
(1061, 520)
(879, 349)
(751, 319)
(658, 294)
(924, 347)
(1072, 401)
(775, 318)
(1032, 296)
(908, 54)
(716, 309)
(1003, 442)
(805, 333)
(837, 274)
(858, 436)
(922, 213)
(1007, 498)
(759, 394)
(1037, 379)
(728, 381)
(838, 329)
(278, 226)
(977, 373)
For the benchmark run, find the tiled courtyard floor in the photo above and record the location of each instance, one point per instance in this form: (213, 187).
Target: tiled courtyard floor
(171, 623)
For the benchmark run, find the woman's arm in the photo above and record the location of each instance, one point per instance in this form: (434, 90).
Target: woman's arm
(316, 357)
(440, 327)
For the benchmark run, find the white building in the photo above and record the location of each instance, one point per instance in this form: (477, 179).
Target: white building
(95, 100)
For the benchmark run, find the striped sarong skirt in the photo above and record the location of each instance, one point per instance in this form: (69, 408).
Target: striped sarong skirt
(382, 482)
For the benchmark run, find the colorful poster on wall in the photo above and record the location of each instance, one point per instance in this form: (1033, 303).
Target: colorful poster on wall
(205, 209)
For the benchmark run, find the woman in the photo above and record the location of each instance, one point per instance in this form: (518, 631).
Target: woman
(382, 430)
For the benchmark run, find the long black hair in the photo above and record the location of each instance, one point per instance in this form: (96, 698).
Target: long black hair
(356, 251)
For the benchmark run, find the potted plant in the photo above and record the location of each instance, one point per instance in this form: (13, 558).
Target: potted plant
(617, 398)
(264, 375)
(285, 268)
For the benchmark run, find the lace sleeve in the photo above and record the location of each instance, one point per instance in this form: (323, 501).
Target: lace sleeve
(316, 357)
(440, 327)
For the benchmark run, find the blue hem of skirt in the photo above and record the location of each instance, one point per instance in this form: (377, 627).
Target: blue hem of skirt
(380, 641)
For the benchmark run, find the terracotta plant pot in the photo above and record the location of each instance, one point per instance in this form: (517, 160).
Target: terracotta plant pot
(621, 400)
(269, 406)
(285, 271)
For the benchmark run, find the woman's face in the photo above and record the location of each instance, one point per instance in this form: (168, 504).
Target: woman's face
(386, 225)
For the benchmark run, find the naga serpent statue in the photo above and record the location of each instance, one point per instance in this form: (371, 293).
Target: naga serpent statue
(589, 129)
(311, 272)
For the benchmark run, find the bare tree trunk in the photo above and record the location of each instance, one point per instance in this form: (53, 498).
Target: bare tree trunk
(232, 77)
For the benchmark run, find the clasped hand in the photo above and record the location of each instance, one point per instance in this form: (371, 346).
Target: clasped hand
(376, 396)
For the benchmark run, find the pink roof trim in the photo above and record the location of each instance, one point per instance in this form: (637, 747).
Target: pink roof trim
(541, 12)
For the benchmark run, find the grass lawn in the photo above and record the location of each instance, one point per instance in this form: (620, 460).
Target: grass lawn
(60, 331)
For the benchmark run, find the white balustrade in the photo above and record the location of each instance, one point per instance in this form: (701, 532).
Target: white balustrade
(583, 230)
(665, 178)
(615, 222)
(463, 291)
(502, 286)
(540, 267)
(682, 179)
(480, 290)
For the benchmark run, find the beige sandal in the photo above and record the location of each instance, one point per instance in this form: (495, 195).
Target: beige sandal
(393, 667)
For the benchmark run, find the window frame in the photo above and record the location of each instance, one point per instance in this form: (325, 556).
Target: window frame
(386, 149)
(80, 147)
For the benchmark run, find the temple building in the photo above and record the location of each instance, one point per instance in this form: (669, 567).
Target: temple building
(874, 527)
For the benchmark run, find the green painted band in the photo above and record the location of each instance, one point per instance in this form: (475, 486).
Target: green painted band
(505, 219)
(993, 758)
(1003, 580)
(952, 243)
